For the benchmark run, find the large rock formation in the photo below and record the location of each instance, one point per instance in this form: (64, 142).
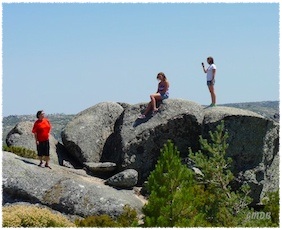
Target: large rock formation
(135, 144)
(70, 191)
(111, 132)
(141, 140)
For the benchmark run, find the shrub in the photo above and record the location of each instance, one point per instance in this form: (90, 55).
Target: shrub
(128, 218)
(32, 216)
(20, 151)
(97, 221)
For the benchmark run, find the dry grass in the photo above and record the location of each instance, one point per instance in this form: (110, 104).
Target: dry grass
(32, 216)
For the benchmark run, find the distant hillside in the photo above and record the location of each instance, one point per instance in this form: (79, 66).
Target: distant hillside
(58, 122)
(269, 109)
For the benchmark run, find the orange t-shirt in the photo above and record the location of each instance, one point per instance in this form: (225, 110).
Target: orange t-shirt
(42, 129)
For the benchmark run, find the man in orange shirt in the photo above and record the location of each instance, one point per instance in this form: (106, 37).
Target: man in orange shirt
(41, 130)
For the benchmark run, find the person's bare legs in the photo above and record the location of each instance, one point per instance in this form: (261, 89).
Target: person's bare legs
(213, 96)
(155, 97)
(41, 160)
(153, 103)
(47, 159)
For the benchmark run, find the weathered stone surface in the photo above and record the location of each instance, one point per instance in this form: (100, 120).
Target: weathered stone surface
(125, 179)
(21, 135)
(112, 132)
(141, 140)
(69, 191)
(101, 167)
(85, 136)
(253, 146)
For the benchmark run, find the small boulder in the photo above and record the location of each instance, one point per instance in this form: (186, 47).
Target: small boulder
(125, 179)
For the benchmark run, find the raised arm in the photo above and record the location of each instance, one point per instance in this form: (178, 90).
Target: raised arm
(204, 67)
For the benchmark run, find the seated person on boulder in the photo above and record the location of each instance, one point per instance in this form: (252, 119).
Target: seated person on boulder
(161, 94)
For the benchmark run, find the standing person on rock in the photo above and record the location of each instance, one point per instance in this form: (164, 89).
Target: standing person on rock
(41, 130)
(161, 94)
(211, 71)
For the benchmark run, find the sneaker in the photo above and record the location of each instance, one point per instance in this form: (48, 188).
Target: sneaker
(141, 116)
(212, 105)
(40, 164)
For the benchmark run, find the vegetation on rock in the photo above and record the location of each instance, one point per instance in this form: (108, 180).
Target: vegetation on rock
(178, 196)
(181, 198)
(20, 151)
(226, 208)
(172, 191)
(32, 216)
(127, 219)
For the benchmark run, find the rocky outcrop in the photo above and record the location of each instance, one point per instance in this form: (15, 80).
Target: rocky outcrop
(70, 191)
(111, 133)
(21, 135)
(86, 135)
(253, 140)
(141, 140)
(253, 146)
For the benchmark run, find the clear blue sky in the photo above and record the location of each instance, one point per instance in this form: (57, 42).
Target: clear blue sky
(64, 58)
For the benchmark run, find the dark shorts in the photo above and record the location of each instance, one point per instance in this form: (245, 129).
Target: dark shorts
(43, 148)
(210, 83)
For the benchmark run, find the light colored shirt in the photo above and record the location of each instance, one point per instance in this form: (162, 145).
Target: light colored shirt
(210, 72)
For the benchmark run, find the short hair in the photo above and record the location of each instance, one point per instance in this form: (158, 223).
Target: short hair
(38, 113)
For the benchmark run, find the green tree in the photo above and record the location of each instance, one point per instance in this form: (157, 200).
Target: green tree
(175, 200)
(268, 216)
(271, 205)
(225, 207)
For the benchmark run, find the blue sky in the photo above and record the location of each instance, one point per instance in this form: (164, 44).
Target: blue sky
(64, 58)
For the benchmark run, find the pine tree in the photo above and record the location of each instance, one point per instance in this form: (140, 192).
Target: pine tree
(172, 201)
(225, 207)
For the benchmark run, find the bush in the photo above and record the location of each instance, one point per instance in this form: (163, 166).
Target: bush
(32, 216)
(20, 151)
(127, 219)
(97, 221)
